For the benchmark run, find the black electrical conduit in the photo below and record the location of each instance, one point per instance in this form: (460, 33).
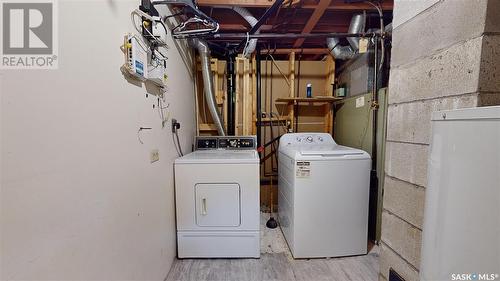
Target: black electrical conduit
(259, 97)
(231, 89)
(372, 203)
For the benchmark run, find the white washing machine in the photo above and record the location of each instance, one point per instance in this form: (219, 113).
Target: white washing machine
(323, 196)
(218, 199)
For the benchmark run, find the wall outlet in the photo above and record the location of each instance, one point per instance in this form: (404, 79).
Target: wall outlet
(154, 155)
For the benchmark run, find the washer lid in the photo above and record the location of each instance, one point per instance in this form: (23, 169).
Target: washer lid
(219, 157)
(324, 152)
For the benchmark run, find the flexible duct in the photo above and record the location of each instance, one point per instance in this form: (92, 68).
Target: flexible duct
(252, 21)
(204, 52)
(347, 52)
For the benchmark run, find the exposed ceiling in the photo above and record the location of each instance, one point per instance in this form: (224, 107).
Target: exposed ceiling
(306, 16)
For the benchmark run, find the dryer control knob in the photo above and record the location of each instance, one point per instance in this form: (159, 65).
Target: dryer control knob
(320, 138)
(309, 139)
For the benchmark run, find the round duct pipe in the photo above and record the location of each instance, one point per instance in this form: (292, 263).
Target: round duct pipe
(208, 86)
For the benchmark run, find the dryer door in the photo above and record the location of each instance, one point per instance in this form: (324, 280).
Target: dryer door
(218, 205)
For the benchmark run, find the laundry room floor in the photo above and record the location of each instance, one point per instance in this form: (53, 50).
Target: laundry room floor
(276, 264)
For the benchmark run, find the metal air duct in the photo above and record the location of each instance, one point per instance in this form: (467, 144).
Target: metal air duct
(204, 52)
(347, 52)
(252, 21)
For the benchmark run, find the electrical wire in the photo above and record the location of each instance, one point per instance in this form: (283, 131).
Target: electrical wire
(279, 69)
(134, 22)
(175, 145)
(245, 49)
(164, 26)
(155, 38)
(382, 41)
(139, 133)
(139, 41)
(178, 142)
(161, 107)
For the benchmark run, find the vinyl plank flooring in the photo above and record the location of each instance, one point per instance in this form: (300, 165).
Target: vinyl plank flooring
(270, 267)
(276, 264)
(314, 269)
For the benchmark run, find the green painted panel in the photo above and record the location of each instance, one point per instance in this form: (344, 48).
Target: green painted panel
(353, 127)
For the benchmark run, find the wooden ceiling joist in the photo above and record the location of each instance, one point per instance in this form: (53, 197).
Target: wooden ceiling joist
(313, 20)
(302, 17)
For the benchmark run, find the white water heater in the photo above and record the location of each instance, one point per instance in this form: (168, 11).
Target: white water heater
(461, 232)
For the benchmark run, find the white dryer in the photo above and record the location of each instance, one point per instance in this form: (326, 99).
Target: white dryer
(323, 196)
(217, 199)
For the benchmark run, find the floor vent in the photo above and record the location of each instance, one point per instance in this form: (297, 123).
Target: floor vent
(394, 276)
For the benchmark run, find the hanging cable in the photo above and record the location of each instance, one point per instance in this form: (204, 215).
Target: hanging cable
(175, 136)
(382, 42)
(175, 145)
(178, 143)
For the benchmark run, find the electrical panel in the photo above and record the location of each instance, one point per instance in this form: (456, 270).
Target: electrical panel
(228, 143)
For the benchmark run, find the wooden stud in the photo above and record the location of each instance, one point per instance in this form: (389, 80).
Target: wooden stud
(246, 99)
(330, 80)
(237, 96)
(254, 95)
(291, 106)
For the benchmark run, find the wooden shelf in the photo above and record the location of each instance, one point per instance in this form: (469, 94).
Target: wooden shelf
(309, 100)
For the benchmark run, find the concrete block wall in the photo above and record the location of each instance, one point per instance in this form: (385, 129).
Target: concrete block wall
(445, 55)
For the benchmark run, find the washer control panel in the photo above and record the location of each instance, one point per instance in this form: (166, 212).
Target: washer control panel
(307, 139)
(226, 143)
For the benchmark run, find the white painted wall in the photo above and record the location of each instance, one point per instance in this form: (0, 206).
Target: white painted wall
(79, 197)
